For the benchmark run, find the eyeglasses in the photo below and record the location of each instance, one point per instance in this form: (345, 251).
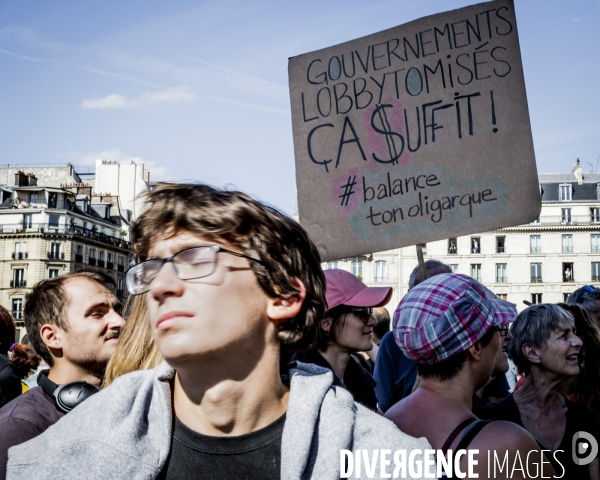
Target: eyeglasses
(586, 288)
(363, 313)
(501, 329)
(189, 264)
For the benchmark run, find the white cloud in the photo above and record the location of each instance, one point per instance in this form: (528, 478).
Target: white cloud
(88, 159)
(174, 95)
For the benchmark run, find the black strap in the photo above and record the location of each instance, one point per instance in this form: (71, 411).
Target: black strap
(455, 433)
(470, 434)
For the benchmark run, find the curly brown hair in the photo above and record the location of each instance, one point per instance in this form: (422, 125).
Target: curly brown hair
(286, 253)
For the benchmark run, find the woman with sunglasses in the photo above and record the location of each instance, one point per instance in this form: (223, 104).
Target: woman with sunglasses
(347, 328)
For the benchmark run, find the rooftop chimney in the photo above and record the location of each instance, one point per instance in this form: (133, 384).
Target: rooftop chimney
(21, 179)
(578, 172)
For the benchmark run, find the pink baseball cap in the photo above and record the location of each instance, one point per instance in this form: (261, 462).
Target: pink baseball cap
(343, 288)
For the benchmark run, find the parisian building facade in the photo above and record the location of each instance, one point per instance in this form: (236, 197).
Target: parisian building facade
(52, 222)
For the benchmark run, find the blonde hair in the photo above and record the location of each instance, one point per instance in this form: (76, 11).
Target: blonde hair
(136, 349)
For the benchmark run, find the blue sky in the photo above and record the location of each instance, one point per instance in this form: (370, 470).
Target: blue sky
(198, 90)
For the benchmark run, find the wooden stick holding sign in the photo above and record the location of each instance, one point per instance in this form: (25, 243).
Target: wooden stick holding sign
(422, 269)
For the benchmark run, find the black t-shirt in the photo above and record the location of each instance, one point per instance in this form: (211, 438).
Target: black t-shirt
(579, 418)
(357, 380)
(256, 455)
(24, 418)
(10, 384)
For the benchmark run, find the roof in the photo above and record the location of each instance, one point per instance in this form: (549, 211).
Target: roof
(588, 177)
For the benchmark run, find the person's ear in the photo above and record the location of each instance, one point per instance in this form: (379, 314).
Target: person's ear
(52, 336)
(281, 309)
(326, 324)
(475, 351)
(531, 353)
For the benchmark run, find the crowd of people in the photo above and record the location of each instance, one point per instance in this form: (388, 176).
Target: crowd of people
(241, 358)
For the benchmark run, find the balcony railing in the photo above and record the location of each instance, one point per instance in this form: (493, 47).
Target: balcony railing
(69, 229)
(92, 261)
(101, 263)
(567, 249)
(568, 279)
(595, 279)
(500, 279)
(17, 314)
(120, 268)
(56, 255)
(120, 293)
(536, 279)
(499, 249)
(535, 250)
(79, 258)
(110, 265)
(567, 220)
(19, 255)
(18, 283)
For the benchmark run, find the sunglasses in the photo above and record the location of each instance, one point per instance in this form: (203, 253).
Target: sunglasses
(363, 313)
(586, 288)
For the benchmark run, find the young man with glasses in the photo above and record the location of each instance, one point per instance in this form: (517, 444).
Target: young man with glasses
(347, 328)
(229, 283)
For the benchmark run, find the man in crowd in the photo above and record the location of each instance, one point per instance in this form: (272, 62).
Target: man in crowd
(73, 322)
(228, 282)
(451, 325)
(394, 373)
(382, 316)
(588, 297)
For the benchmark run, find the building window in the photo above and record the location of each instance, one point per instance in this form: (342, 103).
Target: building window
(101, 255)
(537, 221)
(79, 250)
(565, 216)
(27, 220)
(18, 278)
(536, 272)
(565, 192)
(536, 298)
(568, 274)
(502, 296)
(595, 215)
(54, 252)
(381, 271)
(595, 271)
(357, 268)
(567, 243)
(33, 197)
(92, 258)
(451, 246)
(595, 237)
(20, 251)
(475, 245)
(500, 243)
(109, 258)
(17, 308)
(53, 272)
(565, 296)
(535, 244)
(53, 220)
(501, 273)
(454, 267)
(120, 267)
(476, 271)
(330, 265)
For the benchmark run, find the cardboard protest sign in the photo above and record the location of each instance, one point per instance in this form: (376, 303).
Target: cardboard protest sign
(414, 134)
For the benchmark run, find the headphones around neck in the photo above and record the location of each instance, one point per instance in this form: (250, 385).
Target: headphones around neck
(69, 395)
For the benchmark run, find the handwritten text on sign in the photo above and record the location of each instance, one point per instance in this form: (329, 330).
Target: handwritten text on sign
(417, 133)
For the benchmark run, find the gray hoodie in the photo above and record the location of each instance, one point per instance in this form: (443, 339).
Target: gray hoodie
(125, 431)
